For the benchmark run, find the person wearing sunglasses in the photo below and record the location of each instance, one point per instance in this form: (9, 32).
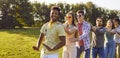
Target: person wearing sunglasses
(83, 44)
(98, 39)
(69, 50)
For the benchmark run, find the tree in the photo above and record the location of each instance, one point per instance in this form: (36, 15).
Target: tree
(41, 11)
(16, 13)
(91, 12)
(7, 18)
(23, 12)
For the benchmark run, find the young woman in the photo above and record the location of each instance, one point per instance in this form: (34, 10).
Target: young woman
(69, 50)
(116, 22)
(109, 41)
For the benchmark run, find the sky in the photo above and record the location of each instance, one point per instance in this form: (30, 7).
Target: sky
(108, 4)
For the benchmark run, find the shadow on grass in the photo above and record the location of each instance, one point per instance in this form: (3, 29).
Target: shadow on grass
(32, 32)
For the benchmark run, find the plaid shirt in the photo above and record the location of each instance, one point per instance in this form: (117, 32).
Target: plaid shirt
(85, 35)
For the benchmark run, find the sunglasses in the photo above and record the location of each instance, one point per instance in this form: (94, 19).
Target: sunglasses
(79, 15)
(68, 17)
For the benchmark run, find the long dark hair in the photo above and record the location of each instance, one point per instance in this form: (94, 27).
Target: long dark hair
(117, 20)
(73, 17)
(112, 23)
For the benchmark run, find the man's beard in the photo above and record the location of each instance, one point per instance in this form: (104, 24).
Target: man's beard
(53, 20)
(99, 25)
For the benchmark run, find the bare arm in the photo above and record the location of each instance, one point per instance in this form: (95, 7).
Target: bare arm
(59, 45)
(39, 42)
(111, 31)
(118, 33)
(99, 30)
(61, 35)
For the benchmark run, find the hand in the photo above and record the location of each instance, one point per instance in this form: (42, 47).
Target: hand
(94, 28)
(94, 44)
(66, 28)
(108, 30)
(117, 34)
(47, 47)
(91, 25)
(35, 48)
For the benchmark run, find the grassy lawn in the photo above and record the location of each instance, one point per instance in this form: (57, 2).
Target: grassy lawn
(17, 43)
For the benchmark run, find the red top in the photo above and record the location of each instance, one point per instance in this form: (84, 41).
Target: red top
(81, 43)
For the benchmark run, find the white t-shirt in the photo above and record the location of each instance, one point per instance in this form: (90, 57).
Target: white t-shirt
(117, 36)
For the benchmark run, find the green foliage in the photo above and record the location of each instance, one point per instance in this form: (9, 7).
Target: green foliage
(91, 11)
(23, 12)
(17, 43)
(41, 11)
(17, 12)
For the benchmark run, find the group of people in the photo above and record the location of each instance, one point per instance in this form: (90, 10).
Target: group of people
(74, 37)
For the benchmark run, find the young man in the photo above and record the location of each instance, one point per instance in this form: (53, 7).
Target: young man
(117, 36)
(84, 35)
(98, 39)
(53, 34)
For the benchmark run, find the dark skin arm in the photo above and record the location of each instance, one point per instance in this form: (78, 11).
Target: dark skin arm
(39, 42)
(59, 45)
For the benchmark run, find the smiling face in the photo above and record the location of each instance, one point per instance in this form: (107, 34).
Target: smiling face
(116, 22)
(54, 15)
(109, 23)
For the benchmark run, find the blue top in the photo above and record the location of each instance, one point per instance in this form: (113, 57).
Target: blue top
(108, 36)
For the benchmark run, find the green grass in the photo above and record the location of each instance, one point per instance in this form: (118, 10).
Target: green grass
(17, 43)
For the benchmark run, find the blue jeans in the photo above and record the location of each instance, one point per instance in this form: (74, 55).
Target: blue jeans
(97, 51)
(80, 50)
(110, 49)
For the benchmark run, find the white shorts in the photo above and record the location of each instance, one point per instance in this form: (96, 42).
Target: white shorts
(50, 56)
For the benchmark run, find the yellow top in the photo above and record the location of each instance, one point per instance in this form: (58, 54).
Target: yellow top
(52, 31)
